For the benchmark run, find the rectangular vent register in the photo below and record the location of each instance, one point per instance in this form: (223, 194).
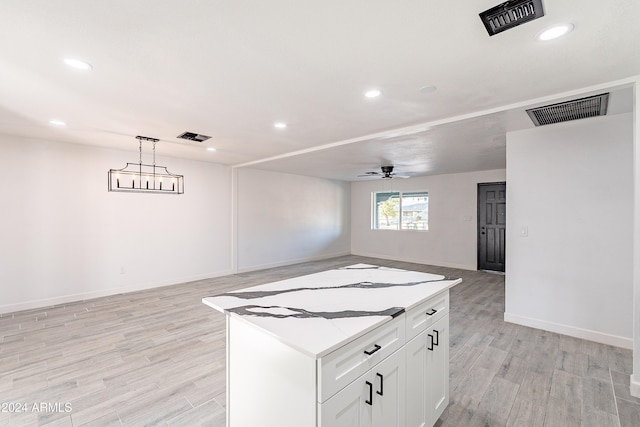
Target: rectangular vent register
(511, 14)
(192, 136)
(582, 108)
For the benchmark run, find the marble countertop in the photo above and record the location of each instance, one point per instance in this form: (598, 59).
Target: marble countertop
(321, 312)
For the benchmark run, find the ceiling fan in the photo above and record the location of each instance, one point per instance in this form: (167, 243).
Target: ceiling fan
(387, 173)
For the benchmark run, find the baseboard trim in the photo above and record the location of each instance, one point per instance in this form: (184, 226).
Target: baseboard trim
(634, 388)
(289, 262)
(417, 261)
(71, 298)
(571, 331)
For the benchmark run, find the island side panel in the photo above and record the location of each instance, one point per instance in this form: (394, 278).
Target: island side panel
(268, 382)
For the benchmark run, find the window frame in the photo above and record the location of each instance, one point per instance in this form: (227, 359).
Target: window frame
(399, 223)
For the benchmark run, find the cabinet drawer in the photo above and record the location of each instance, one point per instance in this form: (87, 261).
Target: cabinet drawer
(426, 314)
(342, 366)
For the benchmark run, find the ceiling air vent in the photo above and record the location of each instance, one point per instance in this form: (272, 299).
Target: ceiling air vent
(582, 108)
(511, 14)
(191, 136)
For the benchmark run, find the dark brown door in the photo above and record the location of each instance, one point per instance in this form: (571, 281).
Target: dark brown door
(492, 204)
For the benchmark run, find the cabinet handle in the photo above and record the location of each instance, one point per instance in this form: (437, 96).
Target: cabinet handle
(381, 385)
(437, 337)
(376, 347)
(432, 312)
(370, 401)
(430, 348)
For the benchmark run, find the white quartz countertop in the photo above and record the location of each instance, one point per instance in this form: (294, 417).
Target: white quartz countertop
(321, 312)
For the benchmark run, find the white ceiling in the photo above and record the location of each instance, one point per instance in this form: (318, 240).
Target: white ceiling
(230, 69)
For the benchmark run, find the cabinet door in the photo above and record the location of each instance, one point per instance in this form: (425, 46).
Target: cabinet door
(349, 407)
(418, 410)
(438, 368)
(376, 399)
(389, 401)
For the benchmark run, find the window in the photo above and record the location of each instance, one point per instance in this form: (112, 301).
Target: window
(401, 211)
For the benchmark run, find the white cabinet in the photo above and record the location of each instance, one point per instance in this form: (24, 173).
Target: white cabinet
(347, 407)
(420, 379)
(389, 399)
(426, 314)
(427, 357)
(418, 413)
(375, 399)
(438, 368)
(341, 367)
(394, 375)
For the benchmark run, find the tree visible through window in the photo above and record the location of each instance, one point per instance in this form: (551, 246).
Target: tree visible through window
(401, 211)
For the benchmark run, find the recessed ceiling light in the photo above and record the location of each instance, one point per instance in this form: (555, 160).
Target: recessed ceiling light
(280, 125)
(78, 64)
(373, 93)
(555, 32)
(57, 122)
(211, 149)
(427, 89)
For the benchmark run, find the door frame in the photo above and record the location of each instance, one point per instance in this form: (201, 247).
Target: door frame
(480, 184)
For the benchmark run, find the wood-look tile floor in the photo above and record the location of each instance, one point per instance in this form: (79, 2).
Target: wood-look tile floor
(157, 357)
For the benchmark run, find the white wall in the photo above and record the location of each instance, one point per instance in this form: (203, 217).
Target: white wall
(284, 219)
(451, 240)
(571, 184)
(64, 237)
(635, 378)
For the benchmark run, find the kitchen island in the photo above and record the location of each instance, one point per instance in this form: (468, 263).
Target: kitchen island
(361, 345)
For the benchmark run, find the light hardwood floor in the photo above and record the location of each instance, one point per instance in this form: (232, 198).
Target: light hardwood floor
(157, 357)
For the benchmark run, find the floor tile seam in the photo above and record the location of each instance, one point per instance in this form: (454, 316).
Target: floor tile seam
(546, 400)
(165, 422)
(512, 405)
(123, 391)
(190, 403)
(615, 398)
(626, 401)
(512, 402)
(73, 424)
(475, 360)
(13, 374)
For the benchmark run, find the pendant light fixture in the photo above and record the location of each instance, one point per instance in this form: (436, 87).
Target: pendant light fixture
(145, 178)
